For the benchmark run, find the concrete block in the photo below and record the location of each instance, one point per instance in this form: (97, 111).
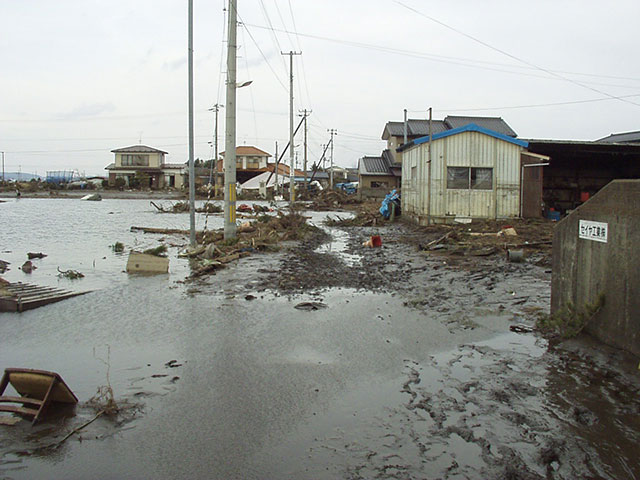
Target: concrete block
(596, 249)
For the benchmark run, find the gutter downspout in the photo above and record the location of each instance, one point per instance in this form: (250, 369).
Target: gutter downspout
(405, 126)
(429, 172)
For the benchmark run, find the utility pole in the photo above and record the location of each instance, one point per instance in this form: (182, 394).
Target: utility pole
(230, 134)
(333, 132)
(277, 187)
(192, 174)
(291, 155)
(216, 108)
(3, 167)
(305, 114)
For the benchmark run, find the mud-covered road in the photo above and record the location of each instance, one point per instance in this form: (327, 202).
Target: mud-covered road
(402, 366)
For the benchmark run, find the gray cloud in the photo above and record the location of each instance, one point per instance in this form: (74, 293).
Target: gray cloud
(87, 111)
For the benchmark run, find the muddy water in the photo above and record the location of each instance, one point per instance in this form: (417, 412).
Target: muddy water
(226, 379)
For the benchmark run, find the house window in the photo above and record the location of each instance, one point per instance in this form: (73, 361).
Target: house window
(135, 160)
(470, 178)
(379, 185)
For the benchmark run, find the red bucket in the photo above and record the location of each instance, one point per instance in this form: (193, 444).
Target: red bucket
(376, 241)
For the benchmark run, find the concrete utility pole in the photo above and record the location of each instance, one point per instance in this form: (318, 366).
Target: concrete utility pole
(277, 187)
(230, 134)
(291, 154)
(305, 114)
(333, 132)
(216, 108)
(192, 174)
(3, 166)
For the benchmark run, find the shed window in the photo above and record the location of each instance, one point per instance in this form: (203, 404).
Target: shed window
(458, 177)
(470, 178)
(482, 178)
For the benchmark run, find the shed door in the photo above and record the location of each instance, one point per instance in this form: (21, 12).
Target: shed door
(531, 186)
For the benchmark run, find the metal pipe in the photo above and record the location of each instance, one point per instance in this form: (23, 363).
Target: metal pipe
(192, 176)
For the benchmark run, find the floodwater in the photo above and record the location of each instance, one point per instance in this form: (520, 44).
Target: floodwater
(237, 383)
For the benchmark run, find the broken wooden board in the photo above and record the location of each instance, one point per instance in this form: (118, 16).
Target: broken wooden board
(144, 263)
(18, 297)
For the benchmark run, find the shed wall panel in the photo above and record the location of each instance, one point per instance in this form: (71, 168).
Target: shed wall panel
(468, 149)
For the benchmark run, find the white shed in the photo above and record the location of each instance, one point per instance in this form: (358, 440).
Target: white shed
(475, 173)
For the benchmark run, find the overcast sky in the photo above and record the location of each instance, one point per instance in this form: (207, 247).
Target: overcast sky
(81, 78)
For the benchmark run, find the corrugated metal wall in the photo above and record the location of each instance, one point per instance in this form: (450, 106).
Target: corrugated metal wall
(467, 149)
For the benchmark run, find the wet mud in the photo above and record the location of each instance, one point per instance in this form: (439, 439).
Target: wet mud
(330, 360)
(514, 407)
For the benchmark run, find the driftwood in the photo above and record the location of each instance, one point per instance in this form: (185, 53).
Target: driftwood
(164, 231)
(438, 240)
(533, 244)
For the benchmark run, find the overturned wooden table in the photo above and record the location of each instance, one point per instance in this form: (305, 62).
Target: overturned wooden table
(37, 389)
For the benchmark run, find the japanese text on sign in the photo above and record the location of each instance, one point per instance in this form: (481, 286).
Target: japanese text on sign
(597, 231)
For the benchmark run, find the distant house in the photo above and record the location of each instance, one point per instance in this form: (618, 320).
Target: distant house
(377, 176)
(250, 162)
(145, 166)
(475, 172)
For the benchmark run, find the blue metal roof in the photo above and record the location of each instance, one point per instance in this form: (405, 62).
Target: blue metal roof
(472, 127)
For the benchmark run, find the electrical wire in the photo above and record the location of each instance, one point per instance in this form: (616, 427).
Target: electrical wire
(263, 55)
(537, 105)
(253, 104)
(503, 52)
(461, 61)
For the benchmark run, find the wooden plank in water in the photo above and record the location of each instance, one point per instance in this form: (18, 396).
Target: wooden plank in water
(18, 297)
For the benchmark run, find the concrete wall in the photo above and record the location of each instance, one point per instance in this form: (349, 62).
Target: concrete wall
(584, 268)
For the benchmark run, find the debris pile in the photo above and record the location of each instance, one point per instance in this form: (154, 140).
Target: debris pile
(485, 238)
(262, 234)
(332, 199)
(183, 207)
(70, 274)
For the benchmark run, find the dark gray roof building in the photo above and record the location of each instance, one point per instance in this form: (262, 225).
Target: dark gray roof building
(420, 128)
(382, 165)
(627, 137)
(138, 149)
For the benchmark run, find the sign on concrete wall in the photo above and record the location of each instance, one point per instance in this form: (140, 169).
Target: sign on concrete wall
(593, 230)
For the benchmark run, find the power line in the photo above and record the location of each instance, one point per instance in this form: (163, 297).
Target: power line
(263, 55)
(461, 61)
(535, 105)
(542, 69)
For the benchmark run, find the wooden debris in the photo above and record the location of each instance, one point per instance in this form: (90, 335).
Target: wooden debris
(143, 263)
(18, 297)
(165, 231)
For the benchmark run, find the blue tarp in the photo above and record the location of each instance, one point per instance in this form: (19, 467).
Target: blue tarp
(391, 198)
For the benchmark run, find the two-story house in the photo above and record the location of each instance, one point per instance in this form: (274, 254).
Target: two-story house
(144, 166)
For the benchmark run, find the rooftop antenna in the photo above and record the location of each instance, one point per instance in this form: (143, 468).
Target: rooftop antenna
(140, 138)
